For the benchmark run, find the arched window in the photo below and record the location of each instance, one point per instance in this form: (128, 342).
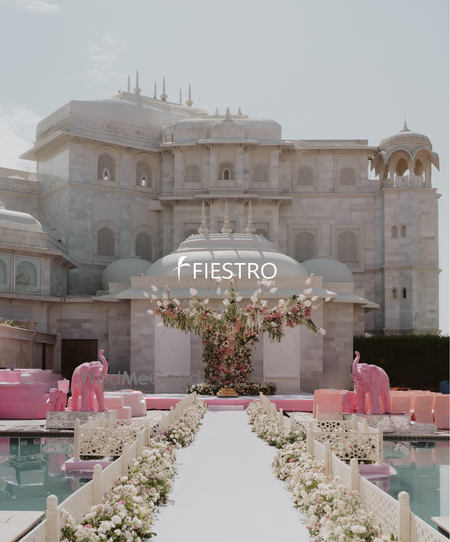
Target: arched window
(106, 168)
(189, 232)
(226, 171)
(401, 167)
(105, 242)
(143, 174)
(260, 174)
(348, 248)
(403, 231)
(347, 176)
(143, 246)
(418, 167)
(394, 231)
(394, 293)
(404, 293)
(305, 176)
(26, 274)
(192, 174)
(305, 246)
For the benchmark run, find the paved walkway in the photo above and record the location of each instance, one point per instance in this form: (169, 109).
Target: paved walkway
(226, 489)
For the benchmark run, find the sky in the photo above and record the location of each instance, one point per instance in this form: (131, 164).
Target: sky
(323, 69)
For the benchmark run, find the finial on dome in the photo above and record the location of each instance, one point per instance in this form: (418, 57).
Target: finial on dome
(137, 90)
(189, 101)
(154, 92)
(228, 114)
(181, 99)
(164, 95)
(129, 85)
(203, 228)
(217, 111)
(250, 228)
(239, 111)
(226, 221)
(405, 126)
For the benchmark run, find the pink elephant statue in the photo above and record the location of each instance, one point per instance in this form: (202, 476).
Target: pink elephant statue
(373, 380)
(87, 380)
(349, 401)
(58, 399)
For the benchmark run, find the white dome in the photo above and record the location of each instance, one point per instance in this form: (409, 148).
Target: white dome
(13, 220)
(406, 137)
(122, 271)
(221, 248)
(330, 270)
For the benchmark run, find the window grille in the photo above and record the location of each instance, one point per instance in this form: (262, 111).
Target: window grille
(260, 174)
(192, 174)
(106, 242)
(143, 174)
(143, 247)
(347, 177)
(305, 246)
(305, 176)
(348, 248)
(106, 168)
(190, 232)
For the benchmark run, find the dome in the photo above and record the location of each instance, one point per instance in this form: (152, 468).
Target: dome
(406, 136)
(13, 220)
(330, 270)
(122, 270)
(221, 248)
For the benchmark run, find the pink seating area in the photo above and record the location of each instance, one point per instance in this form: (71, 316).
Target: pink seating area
(24, 393)
(128, 403)
(423, 406)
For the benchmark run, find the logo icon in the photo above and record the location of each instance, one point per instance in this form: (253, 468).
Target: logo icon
(180, 265)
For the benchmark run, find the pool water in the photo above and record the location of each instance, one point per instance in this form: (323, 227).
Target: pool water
(31, 469)
(423, 471)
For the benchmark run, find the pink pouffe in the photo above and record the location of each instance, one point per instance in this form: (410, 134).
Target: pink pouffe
(124, 413)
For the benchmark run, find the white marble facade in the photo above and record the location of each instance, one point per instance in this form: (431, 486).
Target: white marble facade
(128, 176)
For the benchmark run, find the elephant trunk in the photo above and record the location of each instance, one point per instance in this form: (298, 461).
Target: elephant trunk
(355, 365)
(103, 360)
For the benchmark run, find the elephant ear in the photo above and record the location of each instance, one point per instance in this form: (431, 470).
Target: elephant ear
(86, 375)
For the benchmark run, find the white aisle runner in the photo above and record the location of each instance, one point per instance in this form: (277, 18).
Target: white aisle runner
(226, 490)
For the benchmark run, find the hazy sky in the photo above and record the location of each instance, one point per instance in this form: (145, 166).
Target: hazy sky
(323, 69)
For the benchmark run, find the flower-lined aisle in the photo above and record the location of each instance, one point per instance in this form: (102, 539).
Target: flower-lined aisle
(126, 514)
(226, 491)
(331, 510)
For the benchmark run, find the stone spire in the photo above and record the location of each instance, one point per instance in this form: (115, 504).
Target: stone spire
(217, 111)
(203, 228)
(181, 99)
(154, 92)
(250, 228)
(228, 114)
(239, 112)
(226, 221)
(405, 126)
(164, 95)
(189, 101)
(129, 85)
(137, 90)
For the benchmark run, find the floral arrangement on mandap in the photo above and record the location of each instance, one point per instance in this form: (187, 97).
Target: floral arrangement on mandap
(229, 336)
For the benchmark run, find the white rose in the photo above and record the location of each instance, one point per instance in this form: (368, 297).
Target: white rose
(117, 520)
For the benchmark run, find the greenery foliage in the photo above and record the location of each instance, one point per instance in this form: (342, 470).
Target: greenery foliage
(410, 361)
(244, 388)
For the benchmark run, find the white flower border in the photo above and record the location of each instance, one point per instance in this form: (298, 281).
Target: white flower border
(332, 511)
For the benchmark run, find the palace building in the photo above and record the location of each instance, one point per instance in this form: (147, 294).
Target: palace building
(128, 185)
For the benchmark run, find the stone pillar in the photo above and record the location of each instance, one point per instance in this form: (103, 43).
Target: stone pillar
(412, 180)
(391, 179)
(428, 175)
(240, 168)
(274, 160)
(179, 170)
(213, 168)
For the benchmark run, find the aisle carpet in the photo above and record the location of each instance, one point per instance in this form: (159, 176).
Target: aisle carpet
(226, 490)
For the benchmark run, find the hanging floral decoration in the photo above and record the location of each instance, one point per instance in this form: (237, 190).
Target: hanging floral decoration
(229, 335)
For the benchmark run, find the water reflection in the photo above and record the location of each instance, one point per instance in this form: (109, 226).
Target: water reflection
(33, 468)
(422, 470)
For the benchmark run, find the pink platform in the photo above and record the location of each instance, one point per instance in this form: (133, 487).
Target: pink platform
(287, 404)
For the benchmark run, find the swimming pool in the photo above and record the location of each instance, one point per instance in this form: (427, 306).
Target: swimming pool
(31, 469)
(423, 471)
